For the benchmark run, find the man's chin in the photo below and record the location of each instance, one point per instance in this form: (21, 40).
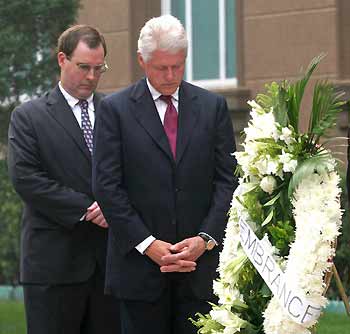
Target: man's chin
(85, 93)
(168, 90)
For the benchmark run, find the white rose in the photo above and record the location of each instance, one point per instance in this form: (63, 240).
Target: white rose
(268, 184)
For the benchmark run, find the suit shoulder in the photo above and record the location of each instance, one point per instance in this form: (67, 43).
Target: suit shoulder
(32, 106)
(120, 94)
(201, 92)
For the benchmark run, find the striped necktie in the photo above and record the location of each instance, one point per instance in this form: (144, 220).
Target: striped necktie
(86, 124)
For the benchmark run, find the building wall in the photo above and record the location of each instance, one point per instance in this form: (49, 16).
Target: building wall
(105, 15)
(275, 40)
(120, 22)
(281, 37)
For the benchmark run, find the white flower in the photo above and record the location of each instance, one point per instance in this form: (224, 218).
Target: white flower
(227, 295)
(268, 184)
(261, 125)
(256, 107)
(286, 136)
(316, 227)
(272, 166)
(289, 164)
(316, 212)
(231, 321)
(261, 166)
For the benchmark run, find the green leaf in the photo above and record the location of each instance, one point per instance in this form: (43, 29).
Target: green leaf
(296, 93)
(317, 163)
(273, 200)
(326, 106)
(282, 234)
(206, 324)
(268, 218)
(275, 98)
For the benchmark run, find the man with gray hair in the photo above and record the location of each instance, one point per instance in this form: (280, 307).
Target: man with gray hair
(163, 175)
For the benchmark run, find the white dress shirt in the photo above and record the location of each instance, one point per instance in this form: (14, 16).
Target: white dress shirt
(73, 103)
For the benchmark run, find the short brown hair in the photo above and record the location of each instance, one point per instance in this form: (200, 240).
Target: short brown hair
(70, 38)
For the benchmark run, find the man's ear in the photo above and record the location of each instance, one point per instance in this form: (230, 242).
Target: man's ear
(140, 60)
(61, 58)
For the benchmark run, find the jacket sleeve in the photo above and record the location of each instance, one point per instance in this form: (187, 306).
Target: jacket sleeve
(61, 204)
(109, 189)
(224, 180)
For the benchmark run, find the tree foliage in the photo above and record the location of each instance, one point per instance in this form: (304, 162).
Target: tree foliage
(28, 34)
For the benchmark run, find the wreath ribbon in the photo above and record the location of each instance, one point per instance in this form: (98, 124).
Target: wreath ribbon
(293, 301)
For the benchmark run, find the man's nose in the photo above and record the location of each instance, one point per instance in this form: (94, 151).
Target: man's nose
(91, 75)
(169, 73)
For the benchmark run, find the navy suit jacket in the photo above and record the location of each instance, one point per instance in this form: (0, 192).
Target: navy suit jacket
(50, 167)
(143, 191)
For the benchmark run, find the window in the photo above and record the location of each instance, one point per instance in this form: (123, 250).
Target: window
(210, 26)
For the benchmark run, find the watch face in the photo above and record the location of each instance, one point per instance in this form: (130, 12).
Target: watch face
(210, 245)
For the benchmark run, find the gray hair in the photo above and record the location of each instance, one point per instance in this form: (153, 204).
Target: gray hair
(165, 32)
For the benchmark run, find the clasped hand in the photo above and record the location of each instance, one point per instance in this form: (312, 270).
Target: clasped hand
(180, 257)
(95, 215)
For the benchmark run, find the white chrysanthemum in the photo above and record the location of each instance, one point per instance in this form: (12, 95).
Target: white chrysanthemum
(317, 226)
(276, 322)
(316, 212)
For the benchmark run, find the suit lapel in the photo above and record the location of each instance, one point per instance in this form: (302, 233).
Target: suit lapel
(188, 115)
(145, 112)
(97, 98)
(61, 111)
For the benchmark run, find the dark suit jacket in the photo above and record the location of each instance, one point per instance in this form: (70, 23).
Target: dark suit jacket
(50, 167)
(143, 191)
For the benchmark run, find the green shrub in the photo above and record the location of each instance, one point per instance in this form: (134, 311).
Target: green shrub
(10, 213)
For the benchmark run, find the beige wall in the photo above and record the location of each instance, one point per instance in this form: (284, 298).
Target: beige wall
(281, 37)
(120, 22)
(275, 39)
(105, 15)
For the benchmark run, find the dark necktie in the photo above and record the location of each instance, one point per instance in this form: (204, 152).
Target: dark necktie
(170, 122)
(86, 124)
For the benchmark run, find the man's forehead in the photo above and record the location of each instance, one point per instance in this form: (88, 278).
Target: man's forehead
(83, 50)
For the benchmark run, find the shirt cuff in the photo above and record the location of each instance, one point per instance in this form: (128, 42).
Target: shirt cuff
(208, 236)
(142, 246)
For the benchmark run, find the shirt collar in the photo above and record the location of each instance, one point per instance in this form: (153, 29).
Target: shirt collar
(73, 101)
(155, 94)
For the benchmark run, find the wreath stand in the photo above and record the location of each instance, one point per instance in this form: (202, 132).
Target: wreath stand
(341, 290)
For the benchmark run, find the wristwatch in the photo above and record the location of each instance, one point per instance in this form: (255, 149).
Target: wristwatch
(209, 242)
